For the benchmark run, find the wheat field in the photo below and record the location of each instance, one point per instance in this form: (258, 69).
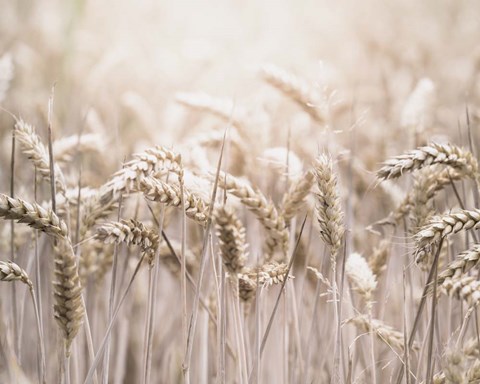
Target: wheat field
(239, 191)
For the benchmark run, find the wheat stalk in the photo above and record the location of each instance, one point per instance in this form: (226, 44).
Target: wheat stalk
(445, 154)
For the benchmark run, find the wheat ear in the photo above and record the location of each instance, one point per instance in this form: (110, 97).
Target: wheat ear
(296, 89)
(33, 215)
(263, 209)
(434, 153)
(231, 237)
(294, 199)
(169, 194)
(328, 211)
(221, 108)
(463, 263)
(68, 308)
(440, 226)
(394, 339)
(10, 271)
(36, 151)
(466, 288)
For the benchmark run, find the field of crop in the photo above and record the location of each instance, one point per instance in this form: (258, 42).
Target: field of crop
(228, 191)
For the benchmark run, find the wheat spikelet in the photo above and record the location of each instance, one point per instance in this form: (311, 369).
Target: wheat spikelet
(445, 154)
(231, 237)
(387, 334)
(159, 191)
(328, 211)
(37, 152)
(9, 271)
(264, 210)
(297, 90)
(67, 290)
(440, 226)
(294, 199)
(33, 215)
(463, 263)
